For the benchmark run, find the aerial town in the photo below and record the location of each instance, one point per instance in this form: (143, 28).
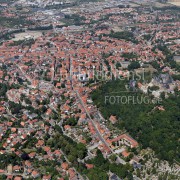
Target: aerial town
(58, 59)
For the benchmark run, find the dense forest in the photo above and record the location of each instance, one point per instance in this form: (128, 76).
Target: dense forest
(150, 126)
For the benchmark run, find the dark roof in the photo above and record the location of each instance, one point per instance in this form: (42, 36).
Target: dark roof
(114, 177)
(164, 79)
(137, 165)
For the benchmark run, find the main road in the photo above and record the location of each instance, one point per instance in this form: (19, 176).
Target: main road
(97, 131)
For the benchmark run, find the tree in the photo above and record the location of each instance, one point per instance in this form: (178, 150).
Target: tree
(134, 65)
(118, 65)
(2, 177)
(129, 55)
(155, 65)
(128, 36)
(63, 85)
(113, 157)
(27, 101)
(71, 121)
(71, 158)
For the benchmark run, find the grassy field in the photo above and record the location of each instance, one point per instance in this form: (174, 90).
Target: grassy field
(134, 5)
(161, 5)
(175, 3)
(23, 35)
